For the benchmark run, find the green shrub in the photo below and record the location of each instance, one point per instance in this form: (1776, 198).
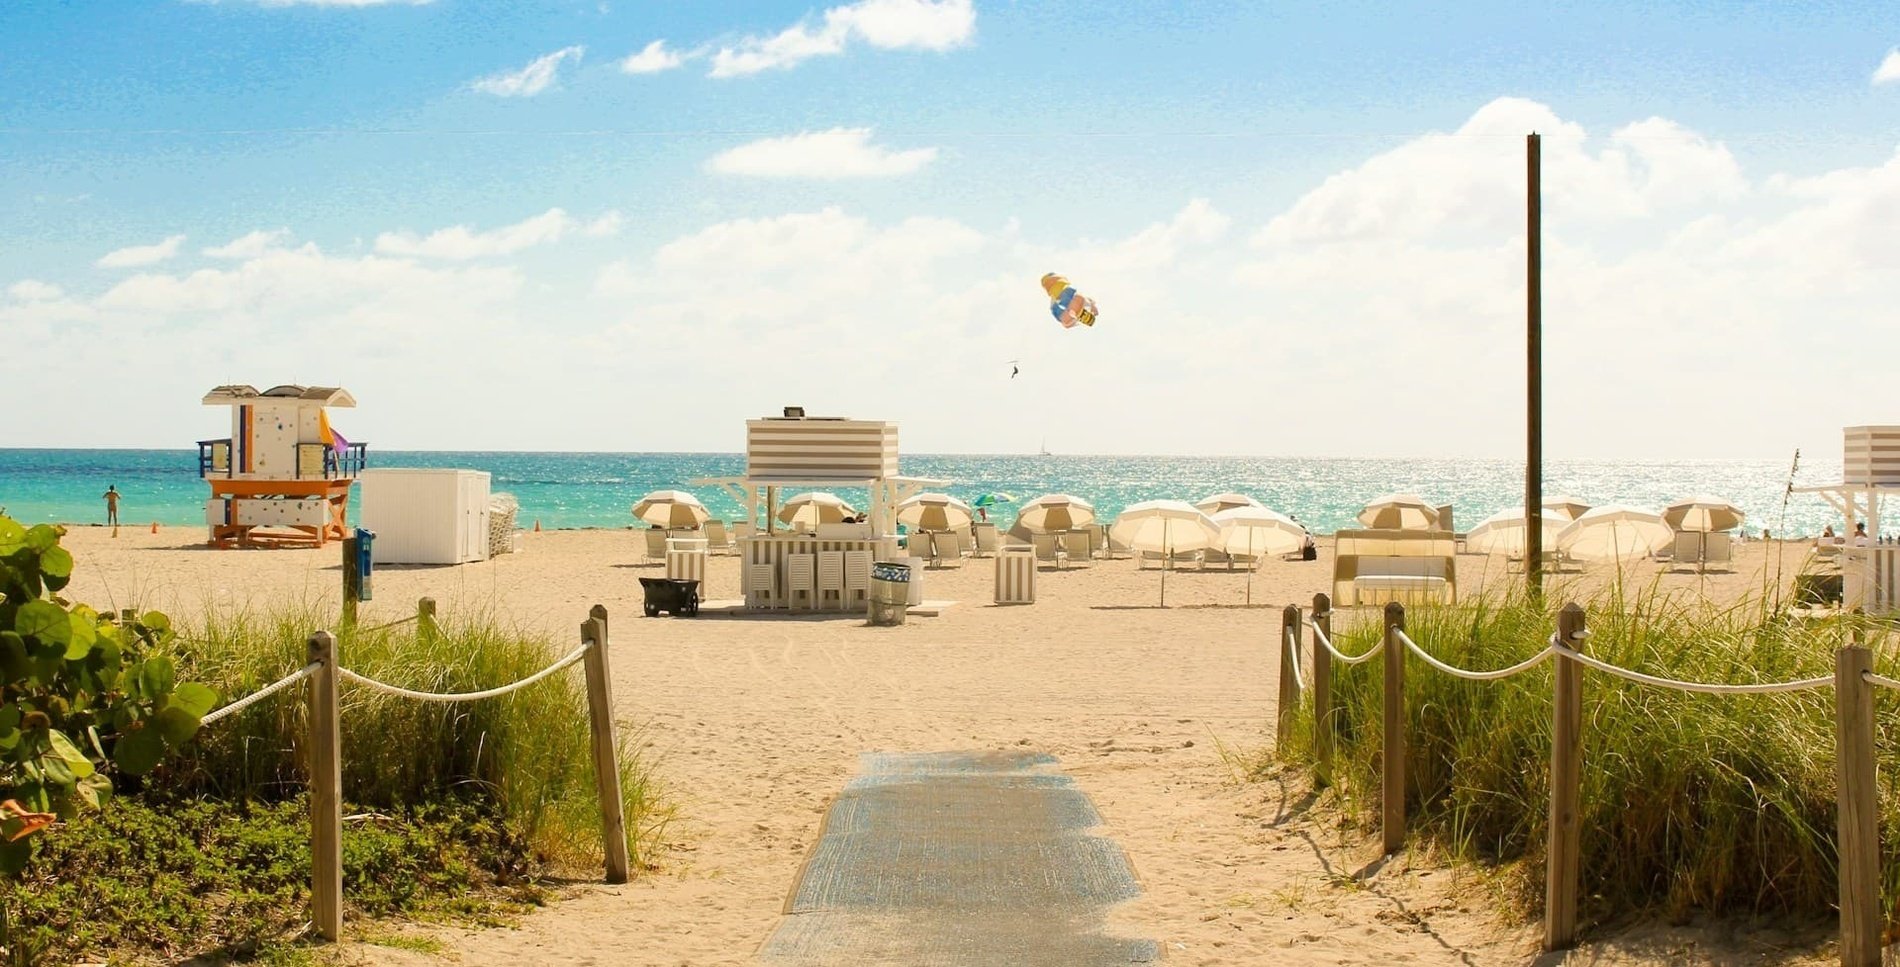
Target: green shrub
(1718, 803)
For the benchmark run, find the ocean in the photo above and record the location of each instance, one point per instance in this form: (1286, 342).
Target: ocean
(598, 489)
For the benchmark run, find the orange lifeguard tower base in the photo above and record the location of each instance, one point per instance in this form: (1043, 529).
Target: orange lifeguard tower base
(274, 482)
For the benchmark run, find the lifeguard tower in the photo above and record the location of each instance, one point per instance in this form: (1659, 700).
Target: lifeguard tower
(1870, 470)
(283, 477)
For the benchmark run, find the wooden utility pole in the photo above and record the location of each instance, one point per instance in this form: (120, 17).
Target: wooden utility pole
(1534, 369)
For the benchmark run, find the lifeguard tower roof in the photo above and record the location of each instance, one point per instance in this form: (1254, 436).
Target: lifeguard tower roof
(236, 394)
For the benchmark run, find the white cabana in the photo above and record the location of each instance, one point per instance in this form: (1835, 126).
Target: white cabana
(1051, 513)
(1614, 532)
(1507, 533)
(934, 512)
(1399, 512)
(670, 509)
(1255, 532)
(1703, 514)
(1215, 503)
(812, 508)
(1164, 527)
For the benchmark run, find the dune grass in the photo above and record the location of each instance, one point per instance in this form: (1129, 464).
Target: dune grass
(1690, 802)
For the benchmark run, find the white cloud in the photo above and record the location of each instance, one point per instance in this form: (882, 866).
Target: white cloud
(250, 245)
(460, 242)
(539, 75)
(652, 59)
(136, 255)
(837, 153)
(889, 24)
(1889, 70)
(33, 290)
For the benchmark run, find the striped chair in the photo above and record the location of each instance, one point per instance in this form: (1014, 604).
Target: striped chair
(761, 586)
(830, 579)
(801, 579)
(857, 580)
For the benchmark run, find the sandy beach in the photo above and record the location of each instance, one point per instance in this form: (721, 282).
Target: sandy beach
(758, 723)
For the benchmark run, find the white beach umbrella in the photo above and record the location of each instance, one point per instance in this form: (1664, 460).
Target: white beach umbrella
(1215, 503)
(1570, 507)
(1399, 512)
(934, 512)
(1505, 532)
(1614, 531)
(1164, 527)
(1255, 532)
(813, 508)
(1703, 514)
(1055, 512)
(671, 508)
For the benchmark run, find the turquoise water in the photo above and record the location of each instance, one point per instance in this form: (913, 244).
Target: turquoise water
(597, 489)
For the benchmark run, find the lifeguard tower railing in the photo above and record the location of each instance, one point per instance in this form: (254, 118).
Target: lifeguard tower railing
(314, 460)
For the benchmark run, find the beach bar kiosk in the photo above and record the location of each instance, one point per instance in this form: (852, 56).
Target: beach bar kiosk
(283, 476)
(829, 568)
(1870, 470)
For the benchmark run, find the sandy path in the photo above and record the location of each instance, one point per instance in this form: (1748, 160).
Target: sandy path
(760, 722)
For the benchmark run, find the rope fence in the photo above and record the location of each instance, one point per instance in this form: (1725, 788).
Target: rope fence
(325, 673)
(1862, 917)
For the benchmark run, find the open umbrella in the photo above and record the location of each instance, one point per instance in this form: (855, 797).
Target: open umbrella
(1571, 507)
(671, 508)
(1614, 531)
(991, 500)
(1399, 512)
(1255, 531)
(1703, 514)
(817, 507)
(1505, 532)
(1164, 527)
(1215, 503)
(1051, 513)
(933, 512)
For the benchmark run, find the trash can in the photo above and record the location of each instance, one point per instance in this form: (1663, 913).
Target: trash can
(365, 539)
(1016, 575)
(890, 593)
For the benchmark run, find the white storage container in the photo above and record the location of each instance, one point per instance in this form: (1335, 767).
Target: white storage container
(425, 516)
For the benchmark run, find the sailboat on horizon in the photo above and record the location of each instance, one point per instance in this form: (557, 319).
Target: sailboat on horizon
(1045, 448)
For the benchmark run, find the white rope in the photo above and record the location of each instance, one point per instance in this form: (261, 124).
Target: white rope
(1457, 672)
(261, 694)
(388, 625)
(1881, 680)
(1320, 637)
(1706, 688)
(1293, 654)
(572, 657)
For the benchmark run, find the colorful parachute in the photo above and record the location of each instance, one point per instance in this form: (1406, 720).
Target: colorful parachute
(1067, 305)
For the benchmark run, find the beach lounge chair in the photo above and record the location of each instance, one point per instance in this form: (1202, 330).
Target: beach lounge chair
(949, 547)
(801, 580)
(1047, 549)
(985, 539)
(1718, 548)
(742, 530)
(1375, 566)
(1075, 545)
(656, 544)
(717, 539)
(857, 580)
(830, 579)
(1686, 550)
(761, 586)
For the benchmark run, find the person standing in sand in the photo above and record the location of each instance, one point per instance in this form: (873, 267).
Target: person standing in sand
(112, 506)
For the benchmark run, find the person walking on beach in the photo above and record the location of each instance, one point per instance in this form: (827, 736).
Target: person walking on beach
(112, 507)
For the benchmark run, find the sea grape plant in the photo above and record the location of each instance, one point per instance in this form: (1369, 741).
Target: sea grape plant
(83, 697)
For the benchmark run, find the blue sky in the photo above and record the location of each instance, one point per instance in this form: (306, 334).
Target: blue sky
(1046, 131)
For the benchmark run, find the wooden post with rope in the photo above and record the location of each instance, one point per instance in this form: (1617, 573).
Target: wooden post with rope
(600, 720)
(1392, 763)
(1857, 807)
(1563, 845)
(1289, 675)
(326, 791)
(1322, 689)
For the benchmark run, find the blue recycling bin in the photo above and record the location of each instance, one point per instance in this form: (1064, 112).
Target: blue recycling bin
(364, 540)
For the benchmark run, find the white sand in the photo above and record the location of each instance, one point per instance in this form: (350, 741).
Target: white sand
(759, 722)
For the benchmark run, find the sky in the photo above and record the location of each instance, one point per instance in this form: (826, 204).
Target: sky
(620, 226)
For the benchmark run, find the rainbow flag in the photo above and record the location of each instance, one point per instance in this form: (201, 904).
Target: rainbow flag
(328, 436)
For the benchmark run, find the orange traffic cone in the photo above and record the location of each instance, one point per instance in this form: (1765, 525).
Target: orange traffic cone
(537, 525)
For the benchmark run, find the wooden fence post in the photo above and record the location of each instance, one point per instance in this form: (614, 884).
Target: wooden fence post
(1322, 689)
(1289, 680)
(1858, 808)
(1563, 847)
(600, 720)
(1392, 765)
(352, 582)
(425, 619)
(326, 792)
